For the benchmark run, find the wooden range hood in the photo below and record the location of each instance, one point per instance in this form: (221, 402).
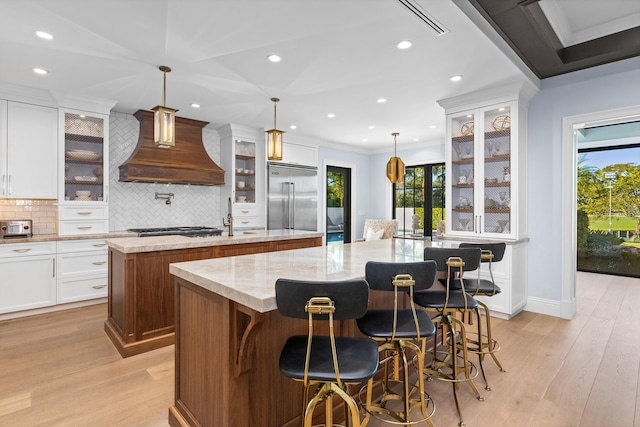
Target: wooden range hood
(185, 163)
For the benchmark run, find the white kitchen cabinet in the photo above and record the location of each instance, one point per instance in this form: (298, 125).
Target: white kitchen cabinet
(28, 272)
(27, 148)
(485, 164)
(242, 156)
(84, 172)
(82, 270)
(298, 154)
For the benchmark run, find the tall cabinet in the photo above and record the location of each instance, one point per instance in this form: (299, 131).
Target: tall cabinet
(486, 198)
(83, 184)
(242, 156)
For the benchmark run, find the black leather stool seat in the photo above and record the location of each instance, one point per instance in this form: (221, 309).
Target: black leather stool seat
(357, 358)
(376, 324)
(436, 299)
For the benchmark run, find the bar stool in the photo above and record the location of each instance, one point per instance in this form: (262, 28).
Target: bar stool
(329, 363)
(452, 365)
(396, 330)
(486, 344)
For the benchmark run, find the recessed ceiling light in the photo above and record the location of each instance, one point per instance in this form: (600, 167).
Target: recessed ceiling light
(82, 116)
(44, 35)
(415, 140)
(274, 58)
(501, 109)
(382, 100)
(456, 78)
(195, 105)
(40, 71)
(469, 116)
(432, 127)
(372, 127)
(331, 115)
(293, 127)
(404, 44)
(365, 140)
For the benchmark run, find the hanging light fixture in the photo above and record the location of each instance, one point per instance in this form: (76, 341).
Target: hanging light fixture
(274, 138)
(164, 118)
(395, 165)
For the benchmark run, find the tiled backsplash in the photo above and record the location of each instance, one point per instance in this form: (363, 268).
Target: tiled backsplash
(43, 213)
(133, 205)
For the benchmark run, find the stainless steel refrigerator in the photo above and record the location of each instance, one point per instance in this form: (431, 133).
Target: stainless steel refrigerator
(293, 197)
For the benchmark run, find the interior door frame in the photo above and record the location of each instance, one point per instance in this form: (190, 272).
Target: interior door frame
(352, 201)
(569, 195)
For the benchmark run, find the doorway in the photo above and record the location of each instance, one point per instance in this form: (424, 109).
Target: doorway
(608, 217)
(338, 222)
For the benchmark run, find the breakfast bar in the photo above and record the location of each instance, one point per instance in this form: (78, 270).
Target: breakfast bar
(229, 333)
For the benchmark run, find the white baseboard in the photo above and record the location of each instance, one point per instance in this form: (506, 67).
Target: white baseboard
(551, 307)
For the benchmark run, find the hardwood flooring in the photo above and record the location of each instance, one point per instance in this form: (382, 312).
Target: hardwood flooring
(60, 369)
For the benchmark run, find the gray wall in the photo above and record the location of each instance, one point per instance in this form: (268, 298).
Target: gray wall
(602, 88)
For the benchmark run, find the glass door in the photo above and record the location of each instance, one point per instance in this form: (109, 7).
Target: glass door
(419, 201)
(338, 221)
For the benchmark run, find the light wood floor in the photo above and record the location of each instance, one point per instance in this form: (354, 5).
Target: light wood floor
(60, 369)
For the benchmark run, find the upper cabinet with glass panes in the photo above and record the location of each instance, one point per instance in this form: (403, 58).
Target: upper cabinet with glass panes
(486, 157)
(85, 157)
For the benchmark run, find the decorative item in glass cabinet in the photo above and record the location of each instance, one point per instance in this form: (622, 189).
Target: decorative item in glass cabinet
(467, 128)
(501, 123)
(506, 174)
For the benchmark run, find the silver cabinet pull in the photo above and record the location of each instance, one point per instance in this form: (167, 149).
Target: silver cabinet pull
(85, 213)
(99, 245)
(245, 222)
(99, 286)
(21, 251)
(86, 227)
(99, 262)
(244, 211)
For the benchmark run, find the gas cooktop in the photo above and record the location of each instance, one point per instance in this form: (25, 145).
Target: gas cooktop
(179, 231)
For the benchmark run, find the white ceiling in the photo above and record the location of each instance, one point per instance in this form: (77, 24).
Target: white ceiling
(339, 57)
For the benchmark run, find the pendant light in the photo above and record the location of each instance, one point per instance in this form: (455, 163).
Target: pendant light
(274, 138)
(164, 118)
(395, 165)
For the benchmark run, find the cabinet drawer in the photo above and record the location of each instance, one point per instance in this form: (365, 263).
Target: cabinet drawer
(83, 212)
(66, 246)
(241, 212)
(27, 249)
(82, 264)
(78, 290)
(243, 222)
(83, 227)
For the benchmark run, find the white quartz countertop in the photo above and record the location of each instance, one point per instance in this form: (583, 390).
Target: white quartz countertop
(163, 243)
(57, 237)
(250, 279)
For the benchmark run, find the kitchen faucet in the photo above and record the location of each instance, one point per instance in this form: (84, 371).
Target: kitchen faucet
(229, 220)
(165, 196)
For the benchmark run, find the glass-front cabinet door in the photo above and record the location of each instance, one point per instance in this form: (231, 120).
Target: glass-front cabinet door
(85, 158)
(479, 187)
(245, 171)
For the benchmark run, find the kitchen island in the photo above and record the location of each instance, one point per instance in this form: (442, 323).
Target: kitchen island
(141, 289)
(229, 333)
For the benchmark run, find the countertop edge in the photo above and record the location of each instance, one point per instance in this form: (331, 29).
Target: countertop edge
(58, 237)
(128, 245)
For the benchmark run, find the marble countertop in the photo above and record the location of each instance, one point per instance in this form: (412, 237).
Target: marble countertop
(164, 243)
(250, 279)
(57, 237)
